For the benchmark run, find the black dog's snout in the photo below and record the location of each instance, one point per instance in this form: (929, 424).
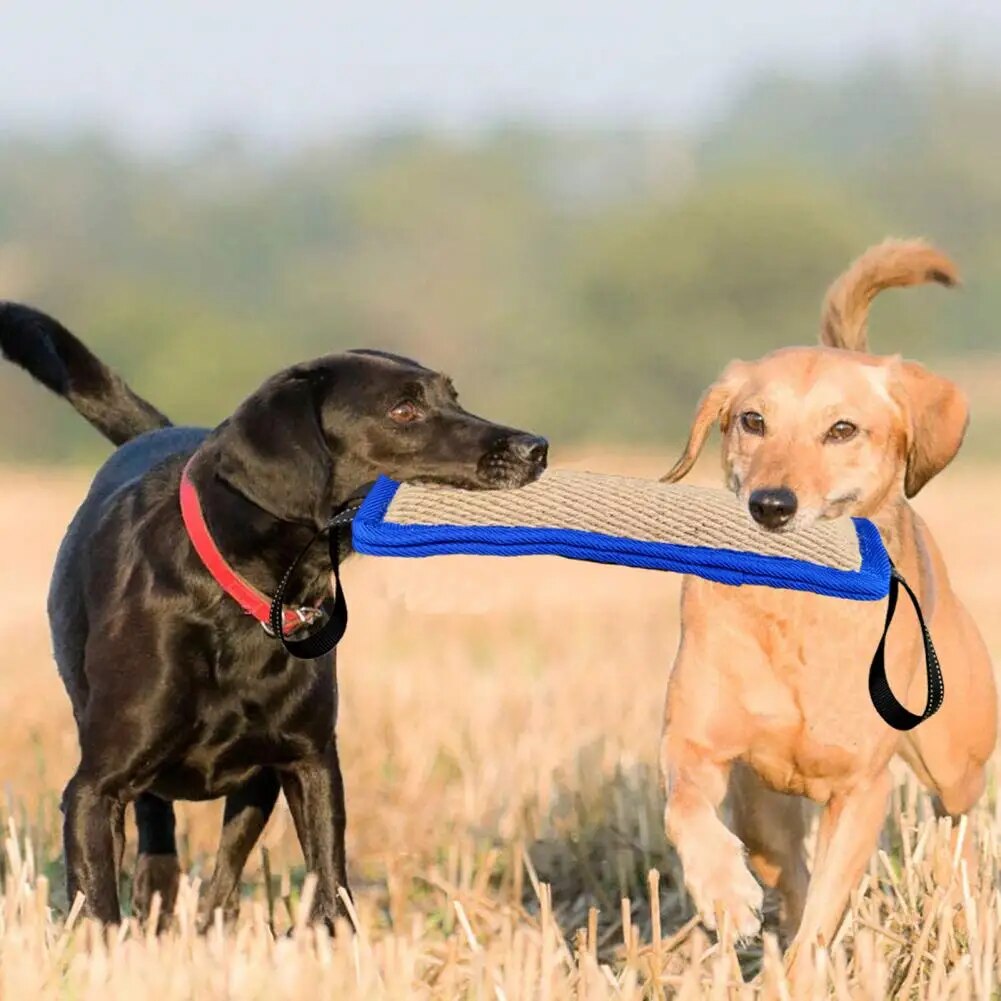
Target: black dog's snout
(772, 507)
(529, 448)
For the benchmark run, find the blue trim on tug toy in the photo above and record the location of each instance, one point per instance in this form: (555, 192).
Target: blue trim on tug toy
(374, 535)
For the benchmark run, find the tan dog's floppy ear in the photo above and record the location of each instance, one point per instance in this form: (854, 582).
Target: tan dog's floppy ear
(938, 413)
(713, 407)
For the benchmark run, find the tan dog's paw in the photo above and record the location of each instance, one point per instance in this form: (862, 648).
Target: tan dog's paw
(799, 968)
(729, 889)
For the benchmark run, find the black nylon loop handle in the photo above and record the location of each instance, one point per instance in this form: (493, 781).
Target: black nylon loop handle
(331, 632)
(887, 705)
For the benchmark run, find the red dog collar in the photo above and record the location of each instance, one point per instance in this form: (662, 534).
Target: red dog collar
(248, 597)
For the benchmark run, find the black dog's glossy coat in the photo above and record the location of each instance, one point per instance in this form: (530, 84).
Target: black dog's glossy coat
(176, 693)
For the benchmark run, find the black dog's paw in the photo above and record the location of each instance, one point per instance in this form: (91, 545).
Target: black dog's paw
(155, 874)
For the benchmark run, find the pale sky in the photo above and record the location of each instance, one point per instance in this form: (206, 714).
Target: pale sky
(159, 75)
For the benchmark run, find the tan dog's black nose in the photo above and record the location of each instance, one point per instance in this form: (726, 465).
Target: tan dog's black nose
(773, 506)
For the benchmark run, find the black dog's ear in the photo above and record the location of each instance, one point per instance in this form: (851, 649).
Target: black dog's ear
(274, 452)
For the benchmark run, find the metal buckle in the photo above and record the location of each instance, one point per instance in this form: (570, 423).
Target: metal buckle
(306, 615)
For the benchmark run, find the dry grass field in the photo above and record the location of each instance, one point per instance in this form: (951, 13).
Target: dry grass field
(498, 733)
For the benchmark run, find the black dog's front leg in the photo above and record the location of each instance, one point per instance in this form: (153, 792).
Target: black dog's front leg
(90, 848)
(314, 790)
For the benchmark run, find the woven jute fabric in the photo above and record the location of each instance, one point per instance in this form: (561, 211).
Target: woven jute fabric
(627, 507)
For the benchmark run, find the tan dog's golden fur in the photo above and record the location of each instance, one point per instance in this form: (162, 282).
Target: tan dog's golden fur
(768, 695)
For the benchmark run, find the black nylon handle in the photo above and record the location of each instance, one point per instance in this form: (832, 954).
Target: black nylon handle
(887, 705)
(332, 631)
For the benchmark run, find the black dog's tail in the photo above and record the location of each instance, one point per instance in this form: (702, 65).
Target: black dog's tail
(48, 351)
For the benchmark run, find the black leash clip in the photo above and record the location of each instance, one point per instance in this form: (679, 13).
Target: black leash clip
(887, 705)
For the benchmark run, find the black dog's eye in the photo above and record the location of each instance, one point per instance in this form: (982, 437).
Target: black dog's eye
(841, 431)
(406, 412)
(752, 422)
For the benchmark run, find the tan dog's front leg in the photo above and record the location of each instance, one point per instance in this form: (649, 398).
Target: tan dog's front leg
(712, 857)
(849, 831)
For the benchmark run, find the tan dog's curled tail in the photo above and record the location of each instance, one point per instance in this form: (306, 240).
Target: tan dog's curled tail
(890, 264)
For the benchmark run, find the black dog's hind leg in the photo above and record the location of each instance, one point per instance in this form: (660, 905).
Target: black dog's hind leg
(157, 868)
(314, 790)
(247, 812)
(89, 841)
(118, 837)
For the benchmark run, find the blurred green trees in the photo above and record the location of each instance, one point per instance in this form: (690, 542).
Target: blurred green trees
(585, 285)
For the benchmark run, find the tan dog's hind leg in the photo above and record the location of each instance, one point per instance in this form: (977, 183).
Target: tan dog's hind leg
(773, 828)
(849, 831)
(948, 752)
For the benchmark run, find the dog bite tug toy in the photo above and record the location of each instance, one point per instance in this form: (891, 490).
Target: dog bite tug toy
(656, 526)
(626, 521)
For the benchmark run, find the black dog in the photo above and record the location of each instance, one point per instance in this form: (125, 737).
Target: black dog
(177, 693)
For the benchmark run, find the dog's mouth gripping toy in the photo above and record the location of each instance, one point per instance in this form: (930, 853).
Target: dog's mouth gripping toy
(630, 522)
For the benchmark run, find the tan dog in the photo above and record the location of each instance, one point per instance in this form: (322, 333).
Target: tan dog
(768, 694)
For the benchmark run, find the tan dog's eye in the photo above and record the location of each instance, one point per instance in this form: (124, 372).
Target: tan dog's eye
(752, 422)
(841, 431)
(405, 413)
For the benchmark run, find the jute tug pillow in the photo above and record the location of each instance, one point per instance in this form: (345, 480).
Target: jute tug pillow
(628, 521)
(654, 526)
